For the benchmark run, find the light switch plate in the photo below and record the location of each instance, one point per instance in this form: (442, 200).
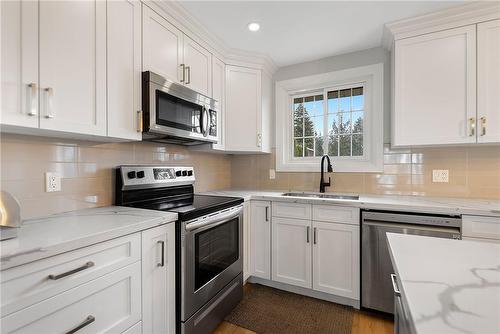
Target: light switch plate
(440, 175)
(272, 174)
(52, 182)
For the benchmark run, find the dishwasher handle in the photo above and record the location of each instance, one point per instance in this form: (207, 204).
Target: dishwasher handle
(376, 223)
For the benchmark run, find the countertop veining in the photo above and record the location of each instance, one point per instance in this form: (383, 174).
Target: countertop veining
(435, 205)
(448, 286)
(47, 236)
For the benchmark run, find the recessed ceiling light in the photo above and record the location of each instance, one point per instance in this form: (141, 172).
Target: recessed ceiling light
(253, 26)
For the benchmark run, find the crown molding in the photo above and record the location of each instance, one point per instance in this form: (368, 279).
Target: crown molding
(178, 15)
(470, 13)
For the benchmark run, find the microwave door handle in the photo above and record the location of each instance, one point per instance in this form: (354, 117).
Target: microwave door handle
(204, 122)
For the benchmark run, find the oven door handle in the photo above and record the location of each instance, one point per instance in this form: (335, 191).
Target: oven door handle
(214, 220)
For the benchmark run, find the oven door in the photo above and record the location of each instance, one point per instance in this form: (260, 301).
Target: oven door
(211, 254)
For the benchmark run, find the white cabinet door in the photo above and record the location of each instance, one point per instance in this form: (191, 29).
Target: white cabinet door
(123, 68)
(218, 94)
(435, 88)
(19, 63)
(246, 240)
(158, 279)
(243, 109)
(488, 81)
(72, 39)
(162, 46)
(260, 239)
(336, 259)
(291, 244)
(198, 69)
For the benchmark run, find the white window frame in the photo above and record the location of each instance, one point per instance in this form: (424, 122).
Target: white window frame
(372, 79)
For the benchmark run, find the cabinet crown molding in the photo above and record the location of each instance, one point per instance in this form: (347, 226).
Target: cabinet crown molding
(470, 13)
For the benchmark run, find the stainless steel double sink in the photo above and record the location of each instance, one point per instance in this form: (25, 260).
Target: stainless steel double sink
(321, 195)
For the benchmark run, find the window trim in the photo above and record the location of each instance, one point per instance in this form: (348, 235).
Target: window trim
(371, 77)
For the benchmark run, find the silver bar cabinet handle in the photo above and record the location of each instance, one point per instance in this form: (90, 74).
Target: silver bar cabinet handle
(50, 92)
(139, 120)
(71, 272)
(307, 234)
(267, 213)
(314, 236)
(188, 70)
(162, 263)
(483, 126)
(32, 101)
(90, 319)
(397, 292)
(472, 126)
(183, 67)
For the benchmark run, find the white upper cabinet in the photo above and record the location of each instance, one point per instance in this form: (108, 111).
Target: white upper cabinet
(72, 58)
(435, 88)
(198, 67)
(218, 94)
(19, 63)
(488, 82)
(162, 46)
(243, 109)
(124, 68)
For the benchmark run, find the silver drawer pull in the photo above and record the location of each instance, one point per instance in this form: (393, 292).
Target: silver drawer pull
(162, 263)
(50, 93)
(71, 272)
(90, 319)
(397, 292)
(32, 101)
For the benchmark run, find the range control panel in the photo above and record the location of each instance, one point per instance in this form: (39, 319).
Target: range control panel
(134, 176)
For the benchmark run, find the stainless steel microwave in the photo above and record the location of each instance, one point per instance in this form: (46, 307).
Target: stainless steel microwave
(173, 113)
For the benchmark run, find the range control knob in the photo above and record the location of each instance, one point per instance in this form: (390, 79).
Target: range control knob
(131, 175)
(190, 173)
(140, 174)
(178, 173)
(184, 173)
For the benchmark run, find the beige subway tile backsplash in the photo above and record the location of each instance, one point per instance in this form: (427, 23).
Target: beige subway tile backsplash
(473, 172)
(86, 169)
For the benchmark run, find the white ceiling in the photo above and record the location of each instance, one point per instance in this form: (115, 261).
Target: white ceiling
(299, 31)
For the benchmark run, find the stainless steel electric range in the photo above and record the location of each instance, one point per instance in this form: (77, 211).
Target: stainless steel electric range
(209, 259)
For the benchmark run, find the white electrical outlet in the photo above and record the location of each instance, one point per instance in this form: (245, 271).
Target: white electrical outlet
(52, 182)
(272, 174)
(440, 175)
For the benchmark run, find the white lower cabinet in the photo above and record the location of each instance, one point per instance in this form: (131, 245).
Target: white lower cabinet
(260, 239)
(336, 259)
(246, 240)
(291, 255)
(158, 279)
(109, 304)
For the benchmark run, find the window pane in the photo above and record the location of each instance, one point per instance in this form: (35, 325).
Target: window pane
(333, 124)
(318, 145)
(313, 126)
(298, 148)
(298, 109)
(345, 100)
(298, 127)
(298, 100)
(358, 99)
(333, 101)
(345, 122)
(309, 147)
(333, 145)
(357, 122)
(345, 146)
(357, 145)
(313, 105)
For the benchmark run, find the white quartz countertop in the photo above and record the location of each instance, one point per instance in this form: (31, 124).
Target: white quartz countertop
(436, 205)
(55, 234)
(448, 286)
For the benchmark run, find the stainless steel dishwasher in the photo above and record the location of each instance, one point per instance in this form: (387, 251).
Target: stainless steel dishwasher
(376, 267)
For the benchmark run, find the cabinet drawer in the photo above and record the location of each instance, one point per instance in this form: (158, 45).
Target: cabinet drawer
(291, 210)
(336, 214)
(30, 283)
(111, 304)
(481, 227)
